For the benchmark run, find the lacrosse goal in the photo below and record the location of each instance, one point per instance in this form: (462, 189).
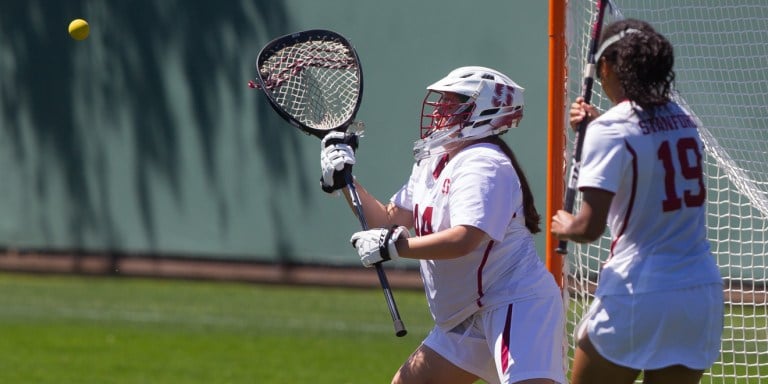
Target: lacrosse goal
(721, 63)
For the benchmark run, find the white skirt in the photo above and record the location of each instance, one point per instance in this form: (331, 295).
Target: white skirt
(658, 329)
(509, 343)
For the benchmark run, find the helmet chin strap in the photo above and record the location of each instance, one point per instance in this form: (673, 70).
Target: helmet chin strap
(424, 154)
(434, 146)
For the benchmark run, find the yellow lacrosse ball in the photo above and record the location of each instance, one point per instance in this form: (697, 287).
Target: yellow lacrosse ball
(79, 29)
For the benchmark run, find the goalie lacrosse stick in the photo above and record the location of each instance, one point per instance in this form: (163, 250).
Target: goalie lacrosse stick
(586, 92)
(313, 80)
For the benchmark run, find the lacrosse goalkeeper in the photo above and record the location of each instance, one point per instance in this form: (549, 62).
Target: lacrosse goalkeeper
(498, 312)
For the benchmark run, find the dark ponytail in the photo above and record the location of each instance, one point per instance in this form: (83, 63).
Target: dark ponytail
(642, 62)
(532, 217)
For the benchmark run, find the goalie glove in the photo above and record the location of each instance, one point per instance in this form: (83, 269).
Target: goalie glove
(337, 156)
(378, 245)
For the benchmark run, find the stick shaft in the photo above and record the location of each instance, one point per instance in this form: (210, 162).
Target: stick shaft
(586, 92)
(400, 330)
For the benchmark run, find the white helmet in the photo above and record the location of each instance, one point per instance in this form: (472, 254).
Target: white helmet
(468, 104)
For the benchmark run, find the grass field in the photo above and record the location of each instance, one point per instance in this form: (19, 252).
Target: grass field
(82, 330)
(70, 329)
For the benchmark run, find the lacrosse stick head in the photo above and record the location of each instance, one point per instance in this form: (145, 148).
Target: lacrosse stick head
(468, 104)
(312, 79)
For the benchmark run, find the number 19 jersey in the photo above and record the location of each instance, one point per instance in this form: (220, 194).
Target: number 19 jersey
(653, 164)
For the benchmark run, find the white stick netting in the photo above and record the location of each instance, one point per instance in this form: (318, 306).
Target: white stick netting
(316, 82)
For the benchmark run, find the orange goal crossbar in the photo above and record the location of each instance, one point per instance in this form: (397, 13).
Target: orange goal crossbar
(555, 126)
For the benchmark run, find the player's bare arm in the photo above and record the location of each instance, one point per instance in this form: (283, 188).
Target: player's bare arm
(382, 244)
(378, 214)
(588, 225)
(448, 244)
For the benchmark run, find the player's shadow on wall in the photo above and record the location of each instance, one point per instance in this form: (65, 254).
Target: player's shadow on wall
(149, 70)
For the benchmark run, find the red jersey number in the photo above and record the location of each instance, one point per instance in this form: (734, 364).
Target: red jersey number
(422, 223)
(690, 169)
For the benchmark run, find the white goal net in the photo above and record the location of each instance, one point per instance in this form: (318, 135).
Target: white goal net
(721, 63)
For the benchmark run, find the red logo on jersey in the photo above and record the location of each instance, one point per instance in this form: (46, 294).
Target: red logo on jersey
(446, 186)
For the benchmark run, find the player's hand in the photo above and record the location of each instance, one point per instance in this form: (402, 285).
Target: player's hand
(337, 153)
(580, 111)
(561, 222)
(378, 245)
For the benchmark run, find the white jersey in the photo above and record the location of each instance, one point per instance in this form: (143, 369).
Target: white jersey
(478, 188)
(654, 167)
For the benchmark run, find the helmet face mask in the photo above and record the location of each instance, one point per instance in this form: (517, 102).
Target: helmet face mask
(443, 110)
(469, 104)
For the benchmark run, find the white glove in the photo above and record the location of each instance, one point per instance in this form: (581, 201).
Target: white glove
(378, 245)
(337, 151)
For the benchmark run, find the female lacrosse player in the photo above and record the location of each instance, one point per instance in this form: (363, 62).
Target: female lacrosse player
(659, 302)
(498, 313)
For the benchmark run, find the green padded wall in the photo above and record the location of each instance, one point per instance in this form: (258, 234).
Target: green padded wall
(145, 138)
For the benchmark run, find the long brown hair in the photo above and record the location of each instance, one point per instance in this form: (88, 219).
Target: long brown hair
(532, 216)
